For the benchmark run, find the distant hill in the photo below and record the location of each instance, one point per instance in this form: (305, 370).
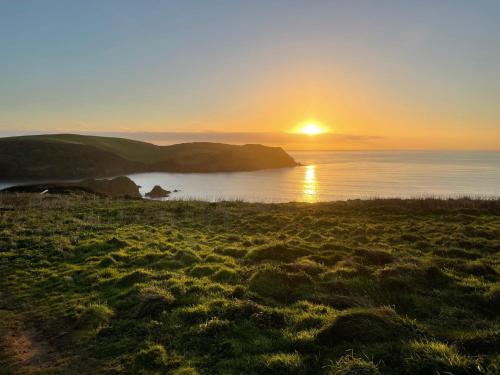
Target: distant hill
(63, 156)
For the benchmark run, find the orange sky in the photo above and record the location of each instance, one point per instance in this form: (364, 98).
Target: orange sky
(377, 75)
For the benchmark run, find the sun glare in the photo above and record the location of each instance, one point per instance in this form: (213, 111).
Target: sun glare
(311, 129)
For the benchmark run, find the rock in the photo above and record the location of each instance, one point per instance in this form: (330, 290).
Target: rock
(117, 187)
(158, 192)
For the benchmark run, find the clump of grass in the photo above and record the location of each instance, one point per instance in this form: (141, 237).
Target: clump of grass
(280, 251)
(374, 257)
(187, 370)
(432, 357)
(282, 363)
(153, 299)
(308, 266)
(352, 365)
(186, 257)
(94, 317)
(134, 277)
(152, 358)
(492, 297)
(479, 268)
(231, 251)
(480, 341)
(115, 243)
(364, 325)
(411, 276)
(225, 275)
(272, 281)
(200, 270)
(214, 327)
(107, 261)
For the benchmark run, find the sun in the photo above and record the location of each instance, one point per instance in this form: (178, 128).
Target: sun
(311, 129)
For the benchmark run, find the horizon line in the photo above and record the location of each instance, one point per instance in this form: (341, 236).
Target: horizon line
(127, 134)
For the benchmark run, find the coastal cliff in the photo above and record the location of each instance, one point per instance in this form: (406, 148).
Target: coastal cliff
(67, 156)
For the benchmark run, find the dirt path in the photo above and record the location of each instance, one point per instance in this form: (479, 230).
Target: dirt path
(25, 351)
(29, 349)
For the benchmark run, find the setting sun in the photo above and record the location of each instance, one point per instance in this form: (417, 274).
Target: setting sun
(311, 129)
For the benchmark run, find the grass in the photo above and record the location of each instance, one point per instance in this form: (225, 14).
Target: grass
(126, 148)
(148, 287)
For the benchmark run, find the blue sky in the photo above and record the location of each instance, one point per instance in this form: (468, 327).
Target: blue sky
(409, 72)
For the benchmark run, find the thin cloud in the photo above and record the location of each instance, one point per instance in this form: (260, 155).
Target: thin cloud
(286, 140)
(239, 137)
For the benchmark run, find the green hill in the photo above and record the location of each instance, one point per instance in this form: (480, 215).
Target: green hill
(125, 148)
(76, 156)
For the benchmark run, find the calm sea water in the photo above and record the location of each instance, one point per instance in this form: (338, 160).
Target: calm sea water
(340, 175)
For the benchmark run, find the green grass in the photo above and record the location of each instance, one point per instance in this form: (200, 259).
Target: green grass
(146, 287)
(126, 148)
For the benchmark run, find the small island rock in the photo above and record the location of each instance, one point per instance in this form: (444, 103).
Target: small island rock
(158, 192)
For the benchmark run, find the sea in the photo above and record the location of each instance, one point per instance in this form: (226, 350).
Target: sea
(342, 175)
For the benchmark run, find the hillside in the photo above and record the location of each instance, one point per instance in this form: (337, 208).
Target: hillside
(76, 156)
(107, 286)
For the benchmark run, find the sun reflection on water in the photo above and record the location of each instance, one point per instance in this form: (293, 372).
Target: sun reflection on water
(309, 190)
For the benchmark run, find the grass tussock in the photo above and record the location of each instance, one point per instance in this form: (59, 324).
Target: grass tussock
(365, 325)
(392, 287)
(352, 365)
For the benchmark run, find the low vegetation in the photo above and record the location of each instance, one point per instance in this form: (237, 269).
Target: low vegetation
(73, 156)
(116, 286)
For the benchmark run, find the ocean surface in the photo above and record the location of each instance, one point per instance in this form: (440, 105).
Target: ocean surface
(341, 175)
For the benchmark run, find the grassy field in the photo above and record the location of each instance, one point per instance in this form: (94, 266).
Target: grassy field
(97, 286)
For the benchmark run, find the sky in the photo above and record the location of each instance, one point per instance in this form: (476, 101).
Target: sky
(373, 74)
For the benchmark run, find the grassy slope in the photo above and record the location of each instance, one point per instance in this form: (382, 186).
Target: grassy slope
(131, 287)
(134, 150)
(126, 148)
(63, 156)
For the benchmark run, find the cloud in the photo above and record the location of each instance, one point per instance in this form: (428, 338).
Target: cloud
(286, 140)
(240, 137)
